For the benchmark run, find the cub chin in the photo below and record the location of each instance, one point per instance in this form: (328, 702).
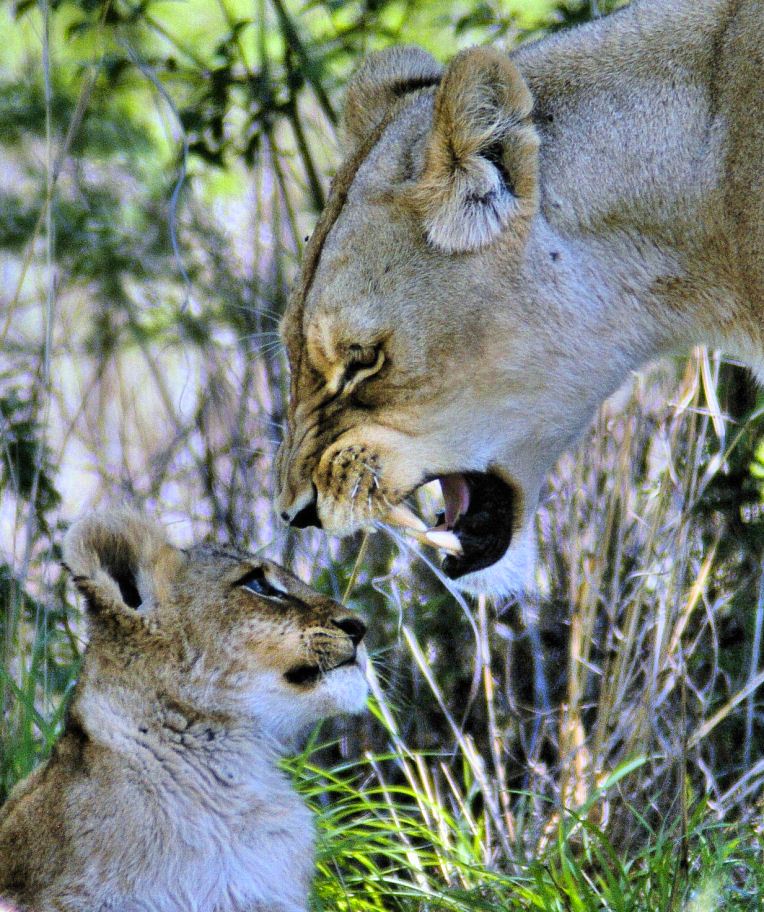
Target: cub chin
(203, 668)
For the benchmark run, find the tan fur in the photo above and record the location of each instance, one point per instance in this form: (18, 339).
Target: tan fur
(628, 222)
(164, 792)
(373, 91)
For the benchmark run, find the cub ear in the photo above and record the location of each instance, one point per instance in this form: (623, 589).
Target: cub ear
(383, 78)
(119, 560)
(481, 160)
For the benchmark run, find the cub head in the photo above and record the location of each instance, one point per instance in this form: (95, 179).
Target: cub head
(214, 629)
(417, 351)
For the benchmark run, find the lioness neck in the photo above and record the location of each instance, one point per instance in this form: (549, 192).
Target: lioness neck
(638, 171)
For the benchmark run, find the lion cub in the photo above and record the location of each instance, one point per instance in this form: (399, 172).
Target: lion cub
(164, 792)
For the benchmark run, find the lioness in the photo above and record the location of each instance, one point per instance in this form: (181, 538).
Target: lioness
(164, 792)
(507, 239)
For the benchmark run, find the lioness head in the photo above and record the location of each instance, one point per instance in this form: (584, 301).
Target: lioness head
(418, 350)
(216, 630)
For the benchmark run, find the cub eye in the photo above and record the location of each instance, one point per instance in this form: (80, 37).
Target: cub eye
(257, 582)
(363, 361)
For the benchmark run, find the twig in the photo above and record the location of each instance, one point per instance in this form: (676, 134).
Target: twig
(755, 656)
(172, 216)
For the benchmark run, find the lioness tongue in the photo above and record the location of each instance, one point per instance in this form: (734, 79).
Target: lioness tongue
(456, 497)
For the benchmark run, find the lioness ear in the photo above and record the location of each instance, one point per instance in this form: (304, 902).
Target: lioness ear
(383, 78)
(118, 560)
(481, 160)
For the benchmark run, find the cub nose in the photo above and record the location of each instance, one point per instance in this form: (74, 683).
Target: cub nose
(354, 627)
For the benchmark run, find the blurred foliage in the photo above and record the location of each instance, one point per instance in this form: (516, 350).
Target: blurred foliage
(50, 660)
(184, 150)
(25, 459)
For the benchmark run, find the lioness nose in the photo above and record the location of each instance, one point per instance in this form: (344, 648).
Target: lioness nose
(354, 627)
(307, 515)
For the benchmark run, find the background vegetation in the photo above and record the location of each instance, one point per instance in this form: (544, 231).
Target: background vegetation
(596, 747)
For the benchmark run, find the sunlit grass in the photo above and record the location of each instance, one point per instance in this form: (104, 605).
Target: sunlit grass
(386, 848)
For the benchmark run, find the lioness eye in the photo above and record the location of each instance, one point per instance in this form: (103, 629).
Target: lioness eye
(257, 582)
(363, 361)
(362, 355)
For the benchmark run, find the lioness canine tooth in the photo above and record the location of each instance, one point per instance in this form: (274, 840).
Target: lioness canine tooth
(447, 541)
(401, 515)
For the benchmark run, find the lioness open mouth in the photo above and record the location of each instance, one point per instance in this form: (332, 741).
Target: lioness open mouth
(476, 525)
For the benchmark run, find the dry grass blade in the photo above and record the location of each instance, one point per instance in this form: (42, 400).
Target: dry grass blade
(702, 731)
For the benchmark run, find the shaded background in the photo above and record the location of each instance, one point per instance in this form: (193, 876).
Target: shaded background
(160, 166)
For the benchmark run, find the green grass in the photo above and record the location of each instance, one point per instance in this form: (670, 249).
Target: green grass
(384, 848)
